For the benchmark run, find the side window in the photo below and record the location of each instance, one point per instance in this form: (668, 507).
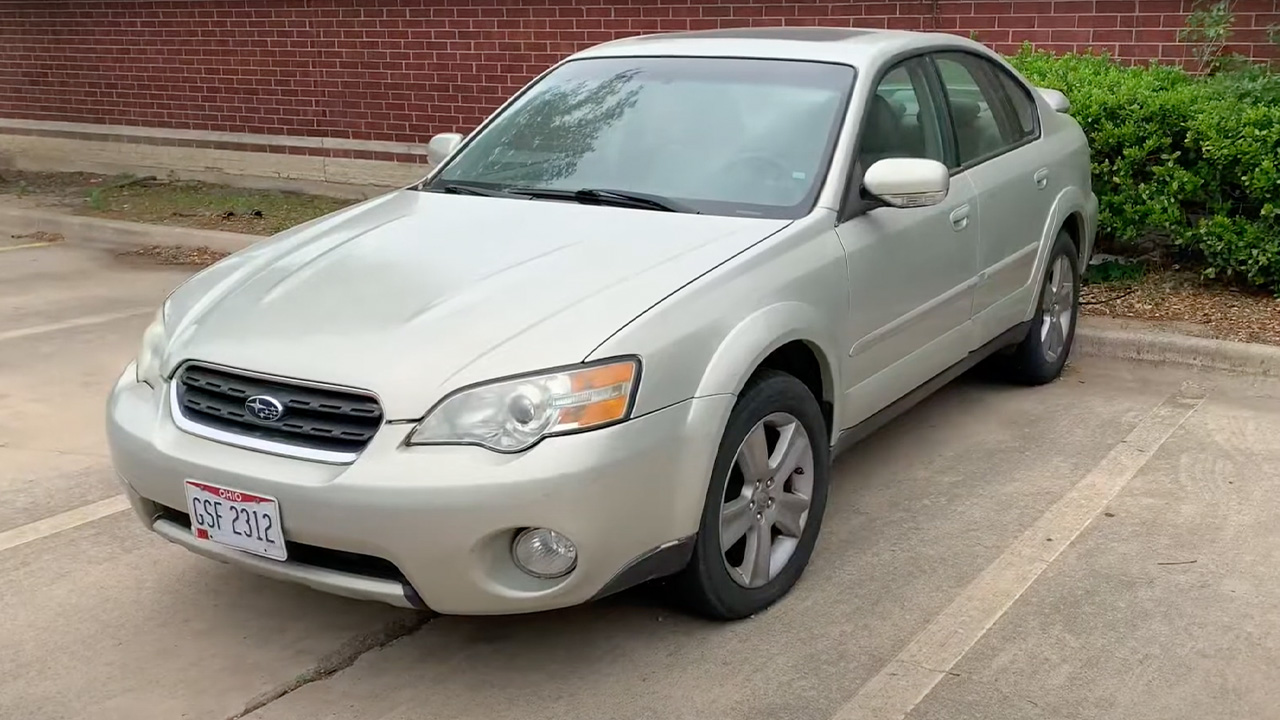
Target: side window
(1024, 108)
(901, 119)
(973, 101)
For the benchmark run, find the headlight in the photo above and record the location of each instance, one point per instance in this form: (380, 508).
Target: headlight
(154, 340)
(512, 415)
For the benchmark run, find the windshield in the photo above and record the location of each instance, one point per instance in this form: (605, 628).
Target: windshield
(713, 135)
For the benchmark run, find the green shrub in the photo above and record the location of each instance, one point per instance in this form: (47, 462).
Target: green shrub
(1183, 162)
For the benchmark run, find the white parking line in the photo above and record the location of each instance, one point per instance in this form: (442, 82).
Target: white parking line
(29, 246)
(72, 323)
(62, 521)
(910, 676)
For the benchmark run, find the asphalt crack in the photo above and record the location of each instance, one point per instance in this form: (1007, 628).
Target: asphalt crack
(340, 659)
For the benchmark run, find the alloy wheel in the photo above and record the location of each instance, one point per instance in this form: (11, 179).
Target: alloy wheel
(1057, 308)
(766, 500)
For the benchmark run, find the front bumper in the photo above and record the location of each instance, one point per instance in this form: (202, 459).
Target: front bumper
(444, 517)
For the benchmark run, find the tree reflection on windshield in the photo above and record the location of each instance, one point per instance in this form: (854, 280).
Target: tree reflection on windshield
(550, 135)
(733, 136)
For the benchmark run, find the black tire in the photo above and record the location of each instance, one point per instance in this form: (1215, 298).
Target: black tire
(705, 585)
(1030, 363)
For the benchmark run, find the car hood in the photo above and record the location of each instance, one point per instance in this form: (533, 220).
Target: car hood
(412, 295)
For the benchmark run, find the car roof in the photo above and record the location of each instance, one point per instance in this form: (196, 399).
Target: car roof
(853, 46)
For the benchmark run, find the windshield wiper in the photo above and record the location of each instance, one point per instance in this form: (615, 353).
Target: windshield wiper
(616, 198)
(454, 188)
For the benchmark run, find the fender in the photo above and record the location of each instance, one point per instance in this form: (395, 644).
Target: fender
(1070, 200)
(761, 333)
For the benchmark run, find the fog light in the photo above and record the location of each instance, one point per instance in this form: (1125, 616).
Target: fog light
(544, 553)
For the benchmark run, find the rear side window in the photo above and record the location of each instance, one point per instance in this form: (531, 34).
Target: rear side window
(973, 114)
(1024, 108)
(990, 111)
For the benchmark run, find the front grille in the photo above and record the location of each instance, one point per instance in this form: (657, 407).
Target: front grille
(315, 556)
(318, 418)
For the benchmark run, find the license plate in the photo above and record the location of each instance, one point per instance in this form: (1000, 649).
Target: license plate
(236, 519)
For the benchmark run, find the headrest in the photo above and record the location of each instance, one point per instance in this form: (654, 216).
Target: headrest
(964, 112)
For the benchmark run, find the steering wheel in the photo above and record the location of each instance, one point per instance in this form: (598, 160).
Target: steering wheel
(759, 175)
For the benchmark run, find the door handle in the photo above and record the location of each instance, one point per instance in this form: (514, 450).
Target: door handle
(960, 218)
(1042, 178)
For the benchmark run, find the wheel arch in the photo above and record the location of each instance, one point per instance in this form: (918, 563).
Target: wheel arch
(788, 337)
(1074, 224)
(1069, 214)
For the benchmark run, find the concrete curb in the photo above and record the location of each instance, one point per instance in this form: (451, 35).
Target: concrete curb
(118, 234)
(1095, 339)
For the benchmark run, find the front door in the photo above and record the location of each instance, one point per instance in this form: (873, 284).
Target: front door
(911, 271)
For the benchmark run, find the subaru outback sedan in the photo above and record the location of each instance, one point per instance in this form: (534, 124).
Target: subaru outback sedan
(620, 329)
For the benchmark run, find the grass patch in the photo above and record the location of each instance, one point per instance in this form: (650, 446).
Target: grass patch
(1113, 272)
(171, 202)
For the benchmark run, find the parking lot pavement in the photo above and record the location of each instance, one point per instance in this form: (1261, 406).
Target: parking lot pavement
(69, 322)
(1168, 606)
(102, 619)
(1102, 547)
(931, 553)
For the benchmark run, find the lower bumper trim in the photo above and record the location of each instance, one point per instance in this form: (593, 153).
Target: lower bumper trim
(666, 559)
(357, 587)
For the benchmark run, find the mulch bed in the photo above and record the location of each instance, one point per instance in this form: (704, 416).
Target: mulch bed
(1223, 312)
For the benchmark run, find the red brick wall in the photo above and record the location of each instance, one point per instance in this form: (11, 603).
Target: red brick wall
(401, 70)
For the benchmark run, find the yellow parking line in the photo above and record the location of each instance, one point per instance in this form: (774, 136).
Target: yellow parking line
(29, 245)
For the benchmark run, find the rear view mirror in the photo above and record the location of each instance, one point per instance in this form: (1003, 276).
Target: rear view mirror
(908, 182)
(442, 146)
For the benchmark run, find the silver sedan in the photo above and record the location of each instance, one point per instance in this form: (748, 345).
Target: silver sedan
(620, 329)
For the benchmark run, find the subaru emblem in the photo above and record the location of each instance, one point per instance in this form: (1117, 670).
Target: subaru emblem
(264, 408)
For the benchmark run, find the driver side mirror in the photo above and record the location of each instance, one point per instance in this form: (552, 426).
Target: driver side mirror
(908, 182)
(442, 146)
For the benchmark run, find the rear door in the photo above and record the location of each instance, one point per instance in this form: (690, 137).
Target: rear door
(996, 128)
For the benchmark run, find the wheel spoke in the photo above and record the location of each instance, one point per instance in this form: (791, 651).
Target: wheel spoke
(791, 510)
(1053, 287)
(755, 564)
(735, 520)
(1064, 296)
(1057, 337)
(753, 458)
(792, 448)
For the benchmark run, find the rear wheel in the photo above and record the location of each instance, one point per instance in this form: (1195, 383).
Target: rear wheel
(765, 501)
(1043, 353)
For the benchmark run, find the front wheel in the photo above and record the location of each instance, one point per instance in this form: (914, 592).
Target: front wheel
(765, 501)
(1040, 357)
